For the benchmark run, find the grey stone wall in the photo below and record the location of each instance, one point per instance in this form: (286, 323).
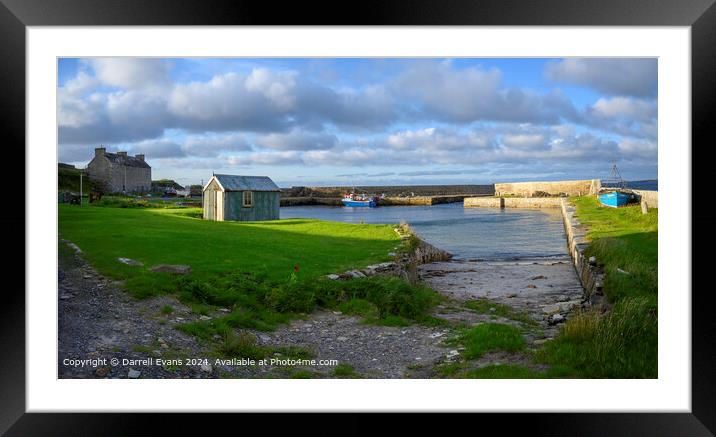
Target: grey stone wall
(651, 197)
(129, 179)
(528, 189)
(589, 275)
(512, 202)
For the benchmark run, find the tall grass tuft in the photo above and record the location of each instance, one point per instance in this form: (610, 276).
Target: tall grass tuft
(618, 344)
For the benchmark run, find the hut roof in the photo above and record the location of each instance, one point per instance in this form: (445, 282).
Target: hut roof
(129, 161)
(241, 183)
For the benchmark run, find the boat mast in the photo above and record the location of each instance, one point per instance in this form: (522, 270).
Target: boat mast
(616, 177)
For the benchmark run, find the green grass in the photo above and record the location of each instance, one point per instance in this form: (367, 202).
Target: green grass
(626, 239)
(345, 371)
(248, 267)
(623, 342)
(503, 371)
(263, 305)
(156, 236)
(200, 308)
(141, 348)
(242, 345)
(489, 337)
(119, 201)
(486, 306)
(498, 371)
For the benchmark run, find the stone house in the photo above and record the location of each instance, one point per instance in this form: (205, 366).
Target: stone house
(120, 173)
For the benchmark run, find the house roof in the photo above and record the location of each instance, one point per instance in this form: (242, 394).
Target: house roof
(241, 183)
(129, 161)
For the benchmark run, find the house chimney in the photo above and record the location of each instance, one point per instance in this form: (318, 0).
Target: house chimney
(99, 151)
(122, 154)
(140, 157)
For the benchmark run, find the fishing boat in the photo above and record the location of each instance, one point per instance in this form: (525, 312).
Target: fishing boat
(353, 199)
(616, 193)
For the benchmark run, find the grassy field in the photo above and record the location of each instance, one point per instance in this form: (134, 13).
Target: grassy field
(265, 272)
(623, 342)
(173, 236)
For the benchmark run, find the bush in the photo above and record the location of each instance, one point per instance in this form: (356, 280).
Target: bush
(291, 297)
(391, 296)
(261, 304)
(121, 202)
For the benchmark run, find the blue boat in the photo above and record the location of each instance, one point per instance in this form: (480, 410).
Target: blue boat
(617, 195)
(615, 199)
(362, 201)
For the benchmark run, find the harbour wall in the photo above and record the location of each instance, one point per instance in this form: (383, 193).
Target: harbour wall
(422, 200)
(391, 191)
(651, 197)
(387, 201)
(591, 277)
(558, 188)
(512, 202)
(299, 201)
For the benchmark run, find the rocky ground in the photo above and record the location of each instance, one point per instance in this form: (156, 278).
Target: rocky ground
(98, 320)
(546, 289)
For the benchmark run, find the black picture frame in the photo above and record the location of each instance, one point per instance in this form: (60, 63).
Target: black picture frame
(16, 15)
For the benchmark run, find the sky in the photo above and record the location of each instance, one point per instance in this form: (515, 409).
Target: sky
(365, 121)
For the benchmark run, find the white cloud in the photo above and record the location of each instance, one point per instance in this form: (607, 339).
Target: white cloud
(428, 114)
(524, 141)
(438, 139)
(297, 140)
(267, 158)
(638, 149)
(132, 73)
(628, 77)
(156, 149)
(625, 107)
(213, 145)
(80, 84)
(278, 87)
(471, 94)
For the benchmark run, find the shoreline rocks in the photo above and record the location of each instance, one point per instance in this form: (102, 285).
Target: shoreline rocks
(405, 266)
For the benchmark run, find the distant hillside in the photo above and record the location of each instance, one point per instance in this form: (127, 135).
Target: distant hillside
(161, 184)
(648, 184)
(68, 179)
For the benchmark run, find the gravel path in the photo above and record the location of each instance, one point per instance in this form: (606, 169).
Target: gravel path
(99, 321)
(372, 351)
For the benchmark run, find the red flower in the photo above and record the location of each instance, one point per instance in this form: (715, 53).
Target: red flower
(295, 268)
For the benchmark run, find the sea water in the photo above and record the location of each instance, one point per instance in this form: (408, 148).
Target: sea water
(467, 233)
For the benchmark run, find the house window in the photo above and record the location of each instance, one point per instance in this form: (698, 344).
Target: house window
(248, 199)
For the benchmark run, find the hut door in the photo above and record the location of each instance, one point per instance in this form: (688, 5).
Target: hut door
(219, 204)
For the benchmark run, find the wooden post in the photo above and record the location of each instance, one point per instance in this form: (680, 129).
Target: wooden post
(80, 187)
(644, 206)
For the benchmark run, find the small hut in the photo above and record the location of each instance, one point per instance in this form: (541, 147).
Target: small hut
(245, 198)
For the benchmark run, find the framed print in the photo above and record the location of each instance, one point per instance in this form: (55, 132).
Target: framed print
(389, 214)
